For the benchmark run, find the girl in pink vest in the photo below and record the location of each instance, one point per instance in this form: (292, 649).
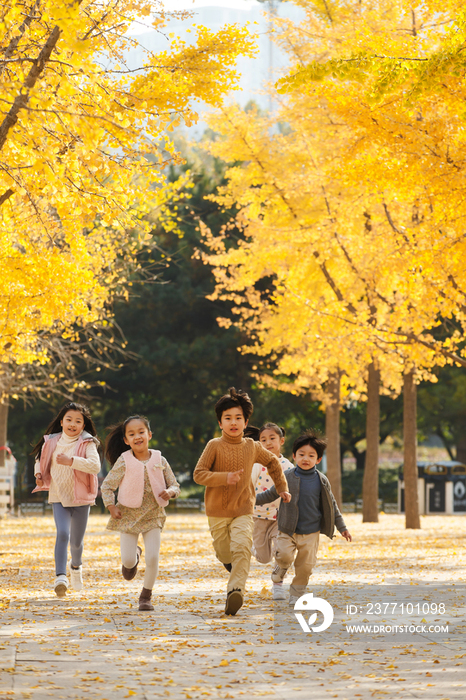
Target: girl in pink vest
(67, 464)
(145, 484)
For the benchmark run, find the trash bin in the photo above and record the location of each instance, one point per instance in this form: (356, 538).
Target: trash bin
(458, 477)
(441, 487)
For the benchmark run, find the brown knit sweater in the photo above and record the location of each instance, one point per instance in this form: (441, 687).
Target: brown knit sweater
(227, 454)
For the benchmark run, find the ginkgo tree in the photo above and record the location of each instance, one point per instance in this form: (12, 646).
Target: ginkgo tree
(395, 80)
(83, 147)
(335, 236)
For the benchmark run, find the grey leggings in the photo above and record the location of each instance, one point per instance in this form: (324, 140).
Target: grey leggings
(71, 526)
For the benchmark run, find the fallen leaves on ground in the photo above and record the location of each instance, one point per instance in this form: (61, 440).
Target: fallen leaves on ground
(96, 641)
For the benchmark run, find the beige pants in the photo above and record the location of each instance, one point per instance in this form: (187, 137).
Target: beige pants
(232, 540)
(264, 538)
(306, 547)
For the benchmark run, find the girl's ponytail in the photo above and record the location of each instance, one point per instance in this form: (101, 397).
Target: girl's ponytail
(115, 443)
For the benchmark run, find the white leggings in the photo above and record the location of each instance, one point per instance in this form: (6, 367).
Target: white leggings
(128, 544)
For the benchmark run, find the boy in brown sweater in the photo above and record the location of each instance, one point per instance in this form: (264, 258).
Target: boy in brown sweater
(225, 469)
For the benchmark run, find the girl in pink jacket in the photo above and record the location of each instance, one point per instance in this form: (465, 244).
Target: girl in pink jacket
(67, 464)
(145, 484)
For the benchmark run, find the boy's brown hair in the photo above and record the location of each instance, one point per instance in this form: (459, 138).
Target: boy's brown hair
(234, 399)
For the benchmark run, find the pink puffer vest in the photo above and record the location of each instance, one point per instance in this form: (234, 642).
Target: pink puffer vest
(131, 489)
(85, 485)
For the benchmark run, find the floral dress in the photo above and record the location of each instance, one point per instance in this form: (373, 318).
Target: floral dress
(149, 515)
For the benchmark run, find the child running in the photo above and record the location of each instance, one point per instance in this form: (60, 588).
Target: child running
(67, 464)
(312, 510)
(265, 532)
(145, 484)
(225, 469)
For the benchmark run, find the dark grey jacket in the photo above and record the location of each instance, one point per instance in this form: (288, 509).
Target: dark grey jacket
(287, 518)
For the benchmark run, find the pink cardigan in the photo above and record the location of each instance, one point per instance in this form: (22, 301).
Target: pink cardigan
(85, 485)
(131, 489)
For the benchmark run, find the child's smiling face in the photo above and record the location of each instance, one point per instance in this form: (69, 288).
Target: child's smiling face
(271, 441)
(72, 423)
(233, 422)
(137, 436)
(306, 457)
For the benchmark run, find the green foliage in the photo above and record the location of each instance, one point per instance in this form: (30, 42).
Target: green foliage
(351, 483)
(353, 426)
(442, 410)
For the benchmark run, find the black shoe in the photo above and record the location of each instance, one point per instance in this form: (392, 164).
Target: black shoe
(228, 567)
(234, 602)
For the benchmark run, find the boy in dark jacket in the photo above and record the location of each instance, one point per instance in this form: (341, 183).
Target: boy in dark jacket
(312, 510)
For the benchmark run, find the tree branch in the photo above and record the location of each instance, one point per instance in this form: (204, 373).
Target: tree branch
(22, 99)
(392, 223)
(6, 195)
(34, 74)
(12, 46)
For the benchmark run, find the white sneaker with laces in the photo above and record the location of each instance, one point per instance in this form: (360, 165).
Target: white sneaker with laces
(61, 585)
(278, 592)
(293, 599)
(76, 576)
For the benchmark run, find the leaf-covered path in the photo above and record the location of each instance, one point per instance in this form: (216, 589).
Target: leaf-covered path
(97, 644)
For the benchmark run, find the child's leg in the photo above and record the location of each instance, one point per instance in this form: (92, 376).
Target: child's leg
(129, 549)
(62, 517)
(307, 546)
(79, 518)
(273, 535)
(220, 532)
(284, 556)
(262, 539)
(151, 556)
(240, 547)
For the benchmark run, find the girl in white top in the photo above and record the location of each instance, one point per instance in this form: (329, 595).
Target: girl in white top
(67, 464)
(265, 530)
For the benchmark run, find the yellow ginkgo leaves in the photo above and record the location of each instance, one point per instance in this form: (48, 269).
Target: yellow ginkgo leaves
(350, 212)
(83, 150)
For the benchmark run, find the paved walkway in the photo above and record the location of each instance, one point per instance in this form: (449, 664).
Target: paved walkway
(97, 644)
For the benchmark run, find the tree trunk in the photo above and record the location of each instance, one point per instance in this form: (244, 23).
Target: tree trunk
(3, 431)
(370, 484)
(410, 451)
(332, 429)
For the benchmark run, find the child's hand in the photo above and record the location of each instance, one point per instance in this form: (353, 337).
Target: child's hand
(167, 494)
(115, 512)
(234, 477)
(346, 535)
(285, 496)
(64, 459)
(39, 480)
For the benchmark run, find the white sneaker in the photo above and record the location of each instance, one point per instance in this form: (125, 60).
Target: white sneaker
(278, 574)
(278, 592)
(293, 599)
(76, 576)
(61, 585)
